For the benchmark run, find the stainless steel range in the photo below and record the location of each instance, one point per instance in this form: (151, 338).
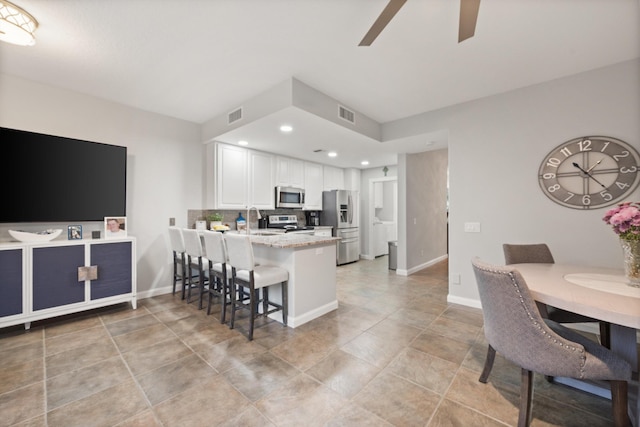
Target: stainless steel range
(288, 224)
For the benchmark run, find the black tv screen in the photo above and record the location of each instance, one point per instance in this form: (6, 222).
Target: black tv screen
(54, 179)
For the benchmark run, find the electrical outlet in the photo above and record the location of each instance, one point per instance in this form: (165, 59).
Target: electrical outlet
(172, 222)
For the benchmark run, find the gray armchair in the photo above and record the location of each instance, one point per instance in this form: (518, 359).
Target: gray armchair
(513, 326)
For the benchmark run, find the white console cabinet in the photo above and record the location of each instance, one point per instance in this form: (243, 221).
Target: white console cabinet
(43, 280)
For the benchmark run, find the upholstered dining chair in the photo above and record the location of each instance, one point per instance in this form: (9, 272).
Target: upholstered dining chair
(197, 261)
(540, 253)
(513, 326)
(245, 273)
(219, 270)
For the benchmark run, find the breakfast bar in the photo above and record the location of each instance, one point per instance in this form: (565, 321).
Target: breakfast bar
(311, 263)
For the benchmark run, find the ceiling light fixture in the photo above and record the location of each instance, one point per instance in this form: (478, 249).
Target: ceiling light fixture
(286, 128)
(332, 154)
(17, 26)
(364, 162)
(243, 143)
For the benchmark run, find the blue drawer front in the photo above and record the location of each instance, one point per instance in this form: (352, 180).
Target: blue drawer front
(10, 282)
(114, 269)
(55, 276)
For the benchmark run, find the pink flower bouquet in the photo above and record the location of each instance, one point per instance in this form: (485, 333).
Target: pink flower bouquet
(625, 220)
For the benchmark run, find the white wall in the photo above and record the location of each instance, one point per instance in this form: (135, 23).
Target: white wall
(496, 145)
(164, 161)
(426, 209)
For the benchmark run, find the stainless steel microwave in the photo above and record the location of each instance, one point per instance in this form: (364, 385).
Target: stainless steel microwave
(289, 197)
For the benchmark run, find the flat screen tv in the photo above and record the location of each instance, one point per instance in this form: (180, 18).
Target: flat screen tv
(49, 178)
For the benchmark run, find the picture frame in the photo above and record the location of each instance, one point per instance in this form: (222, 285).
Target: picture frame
(115, 227)
(74, 232)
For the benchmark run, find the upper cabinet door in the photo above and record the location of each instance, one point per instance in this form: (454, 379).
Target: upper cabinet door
(232, 177)
(313, 178)
(333, 178)
(261, 183)
(290, 172)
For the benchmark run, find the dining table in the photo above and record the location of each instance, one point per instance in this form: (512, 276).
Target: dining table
(600, 293)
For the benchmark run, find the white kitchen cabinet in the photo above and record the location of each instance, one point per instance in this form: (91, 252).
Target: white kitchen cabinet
(261, 187)
(333, 178)
(244, 178)
(313, 179)
(289, 172)
(232, 178)
(322, 231)
(351, 179)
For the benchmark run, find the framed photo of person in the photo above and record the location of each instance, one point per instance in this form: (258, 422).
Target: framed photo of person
(74, 232)
(115, 227)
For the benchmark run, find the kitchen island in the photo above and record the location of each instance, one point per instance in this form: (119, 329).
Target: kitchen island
(311, 263)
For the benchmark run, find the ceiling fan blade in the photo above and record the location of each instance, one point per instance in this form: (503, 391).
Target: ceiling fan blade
(387, 14)
(468, 18)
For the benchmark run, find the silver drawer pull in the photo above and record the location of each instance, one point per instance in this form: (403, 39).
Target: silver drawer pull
(87, 273)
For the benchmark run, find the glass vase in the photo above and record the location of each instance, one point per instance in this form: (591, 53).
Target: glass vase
(631, 251)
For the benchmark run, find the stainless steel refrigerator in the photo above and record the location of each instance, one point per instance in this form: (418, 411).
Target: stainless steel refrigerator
(340, 211)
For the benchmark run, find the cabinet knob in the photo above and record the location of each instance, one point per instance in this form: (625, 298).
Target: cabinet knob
(87, 273)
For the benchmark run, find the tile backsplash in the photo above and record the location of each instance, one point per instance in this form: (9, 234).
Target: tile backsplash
(229, 216)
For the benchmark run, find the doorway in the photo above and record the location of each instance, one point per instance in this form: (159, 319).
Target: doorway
(382, 226)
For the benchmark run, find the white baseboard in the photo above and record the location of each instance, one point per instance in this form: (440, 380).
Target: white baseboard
(294, 322)
(403, 272)
(155, 292)
(464, 301)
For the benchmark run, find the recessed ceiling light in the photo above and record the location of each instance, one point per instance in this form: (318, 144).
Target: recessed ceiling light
(286, 128)
(332, 154)
(243, 143)
(364, 162)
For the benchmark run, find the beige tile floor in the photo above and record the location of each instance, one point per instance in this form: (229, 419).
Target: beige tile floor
(394, 353)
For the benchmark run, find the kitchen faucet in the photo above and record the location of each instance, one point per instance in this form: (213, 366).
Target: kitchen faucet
(249, 222)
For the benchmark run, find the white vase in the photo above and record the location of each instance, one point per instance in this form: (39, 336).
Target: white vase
(631, 252)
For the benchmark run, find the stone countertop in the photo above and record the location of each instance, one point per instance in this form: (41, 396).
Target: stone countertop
(291, 240)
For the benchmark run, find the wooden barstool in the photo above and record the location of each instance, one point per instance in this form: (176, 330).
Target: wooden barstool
(179, 258)
(245, 273)
(197, 261)
(219, 270)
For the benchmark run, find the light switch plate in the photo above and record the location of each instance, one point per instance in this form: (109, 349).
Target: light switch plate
(471, 227)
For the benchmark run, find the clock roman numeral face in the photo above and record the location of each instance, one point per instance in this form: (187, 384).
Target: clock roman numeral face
(590, 172)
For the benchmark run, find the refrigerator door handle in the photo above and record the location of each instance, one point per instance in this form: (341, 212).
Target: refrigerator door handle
(350, 209)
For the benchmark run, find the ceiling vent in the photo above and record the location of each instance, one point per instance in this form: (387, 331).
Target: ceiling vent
(319, 150)
(234, 116)
(346, 114)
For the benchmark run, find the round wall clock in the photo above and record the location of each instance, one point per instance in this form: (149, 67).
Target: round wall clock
(590, 172)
